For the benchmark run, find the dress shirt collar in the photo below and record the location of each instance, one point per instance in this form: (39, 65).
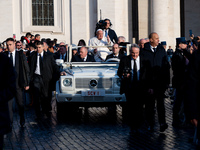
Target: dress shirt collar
(152, 48)
(63, 55)
(85, 58)
(115, 55)
(13, 55)
(41, 54)
(137, 59)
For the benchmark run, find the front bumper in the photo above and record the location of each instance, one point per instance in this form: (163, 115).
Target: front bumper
(75, 98)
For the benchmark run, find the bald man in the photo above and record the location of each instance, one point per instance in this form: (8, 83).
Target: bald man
(83, 56)
(141, 43)
(159, 77)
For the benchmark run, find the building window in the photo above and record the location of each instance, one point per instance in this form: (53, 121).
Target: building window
(42, 13)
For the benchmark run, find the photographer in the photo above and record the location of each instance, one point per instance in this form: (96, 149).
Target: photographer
(107, 32)
(131, 71)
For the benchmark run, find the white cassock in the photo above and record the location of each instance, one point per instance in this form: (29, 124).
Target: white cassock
(101, 52)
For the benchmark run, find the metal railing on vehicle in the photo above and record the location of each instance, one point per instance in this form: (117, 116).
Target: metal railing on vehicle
(70, 47)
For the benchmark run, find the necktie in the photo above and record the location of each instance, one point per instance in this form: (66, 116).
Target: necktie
(154, 49)
(40, 57)
(83, 59)
(63, 57)
(11, 57)
(135, 72)
(106, 33)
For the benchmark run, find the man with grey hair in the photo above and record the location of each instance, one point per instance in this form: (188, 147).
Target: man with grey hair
(100, 40)
(121, 39)
(132, 73)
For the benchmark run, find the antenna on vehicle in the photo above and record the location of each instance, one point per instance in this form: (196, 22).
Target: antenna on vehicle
(100, 15)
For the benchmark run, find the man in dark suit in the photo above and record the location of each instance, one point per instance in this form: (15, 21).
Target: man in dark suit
(111, 33)
(31, 50)
(132, 70)
(83, 56)
(7, 92)
(61, 54)
(180, 61)
(115, 53)
(42, 70)
(156, 56)
(22, 73)
(193, 95)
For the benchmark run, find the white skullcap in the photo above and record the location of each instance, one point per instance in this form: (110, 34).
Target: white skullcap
(99, 30)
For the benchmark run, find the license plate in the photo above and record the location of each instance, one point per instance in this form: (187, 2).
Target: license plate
(93, 93)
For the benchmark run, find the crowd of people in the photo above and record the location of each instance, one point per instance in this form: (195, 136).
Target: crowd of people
(29, 65)
(145, 75)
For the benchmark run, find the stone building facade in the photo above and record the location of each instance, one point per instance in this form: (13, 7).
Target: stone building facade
(76, 19)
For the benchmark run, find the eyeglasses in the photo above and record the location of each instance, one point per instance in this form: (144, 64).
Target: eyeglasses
(18, 45)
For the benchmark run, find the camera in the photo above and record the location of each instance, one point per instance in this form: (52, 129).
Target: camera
(100, 25)
(126, 71)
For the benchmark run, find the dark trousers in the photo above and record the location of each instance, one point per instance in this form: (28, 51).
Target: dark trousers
(198, 131)
(150, 108)
(10, 107)
(20, 101)
(134, 106)
(178, 103)
(1, 141)
(41, 95)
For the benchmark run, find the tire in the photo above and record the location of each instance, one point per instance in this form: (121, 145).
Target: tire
(124, 112)
(66, 110)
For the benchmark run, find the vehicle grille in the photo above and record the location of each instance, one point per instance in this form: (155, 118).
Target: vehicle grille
(85, 82)
(106, 92)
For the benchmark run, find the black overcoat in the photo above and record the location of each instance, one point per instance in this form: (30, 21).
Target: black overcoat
(111, 56)
(180, 68)
(7, 91)
(126, 83)
(159, 75)
(22, 69)
(112, 35)
(50, 71)
(193, 86)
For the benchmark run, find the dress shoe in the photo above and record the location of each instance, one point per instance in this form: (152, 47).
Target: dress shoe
(163, 127)
(22, 121)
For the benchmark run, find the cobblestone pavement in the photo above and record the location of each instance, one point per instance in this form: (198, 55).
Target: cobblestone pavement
(95, 128)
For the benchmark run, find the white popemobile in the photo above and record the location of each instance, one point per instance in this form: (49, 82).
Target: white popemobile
(89, 84)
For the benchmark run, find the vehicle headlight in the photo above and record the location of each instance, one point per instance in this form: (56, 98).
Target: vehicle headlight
(118, 82)
(67, 82)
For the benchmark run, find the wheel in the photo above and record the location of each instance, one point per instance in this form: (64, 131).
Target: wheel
(60, 109)
(66, 110)
(124, 112)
